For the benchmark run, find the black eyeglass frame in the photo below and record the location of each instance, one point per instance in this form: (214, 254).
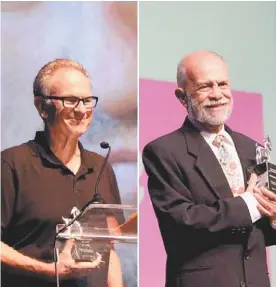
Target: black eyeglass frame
(71, 97)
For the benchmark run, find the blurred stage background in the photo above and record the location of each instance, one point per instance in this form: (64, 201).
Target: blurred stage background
(103, 37)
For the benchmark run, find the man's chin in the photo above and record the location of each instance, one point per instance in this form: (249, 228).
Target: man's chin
(78, 131)
(213, 121)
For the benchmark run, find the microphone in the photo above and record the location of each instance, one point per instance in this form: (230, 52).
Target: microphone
(97, 197)
(104, 145)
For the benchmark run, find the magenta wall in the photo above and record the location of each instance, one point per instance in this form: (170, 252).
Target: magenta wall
(160, 113)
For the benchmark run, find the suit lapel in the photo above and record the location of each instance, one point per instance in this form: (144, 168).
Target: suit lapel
(206, 162)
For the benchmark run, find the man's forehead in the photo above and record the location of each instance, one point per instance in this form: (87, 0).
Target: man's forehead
(69, 81)
(68, 75)
(198, 68)
(68, 78)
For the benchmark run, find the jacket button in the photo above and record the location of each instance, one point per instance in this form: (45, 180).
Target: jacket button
(243, 284)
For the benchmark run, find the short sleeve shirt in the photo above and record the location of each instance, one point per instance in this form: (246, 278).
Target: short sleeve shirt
(37, 191)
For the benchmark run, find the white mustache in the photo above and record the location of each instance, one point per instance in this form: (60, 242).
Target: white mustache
(215, 103)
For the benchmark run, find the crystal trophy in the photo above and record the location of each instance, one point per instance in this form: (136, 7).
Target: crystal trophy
(98, 229)
(265, 170)
(93, 233)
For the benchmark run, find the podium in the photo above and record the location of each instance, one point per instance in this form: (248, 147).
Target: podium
(100, 229)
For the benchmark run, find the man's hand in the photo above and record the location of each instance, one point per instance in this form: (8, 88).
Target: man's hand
(252, 183)
(15, 262)
(267, 202)
(69, 268)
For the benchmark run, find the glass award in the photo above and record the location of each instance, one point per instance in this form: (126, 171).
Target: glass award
(264, 169)
(99, 229)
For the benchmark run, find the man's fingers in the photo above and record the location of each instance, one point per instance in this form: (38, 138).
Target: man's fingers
(257, 190)
(266, 208)
(252, 182)
(263, 211)
(90, 265)
(68, 246)
(269, 194)
(98, 261)
(263, 202)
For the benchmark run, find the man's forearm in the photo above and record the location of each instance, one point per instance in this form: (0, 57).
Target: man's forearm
(115, 278)
(17, 263)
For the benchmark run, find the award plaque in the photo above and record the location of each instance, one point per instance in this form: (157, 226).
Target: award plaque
(265, 170)
(98, 229)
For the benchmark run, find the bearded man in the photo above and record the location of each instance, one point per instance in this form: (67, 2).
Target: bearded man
(214, 221)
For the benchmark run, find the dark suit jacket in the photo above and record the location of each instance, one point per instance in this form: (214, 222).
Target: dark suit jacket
(208, 234)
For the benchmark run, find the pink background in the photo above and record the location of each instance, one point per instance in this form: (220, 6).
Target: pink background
(160, 113)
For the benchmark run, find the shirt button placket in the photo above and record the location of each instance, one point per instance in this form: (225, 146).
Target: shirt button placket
(75, 190)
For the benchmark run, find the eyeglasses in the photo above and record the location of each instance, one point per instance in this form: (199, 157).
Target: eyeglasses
(73, 102)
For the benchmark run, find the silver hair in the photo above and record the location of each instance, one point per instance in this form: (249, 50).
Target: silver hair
(181, 74)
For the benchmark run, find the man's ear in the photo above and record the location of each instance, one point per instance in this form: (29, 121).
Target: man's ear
(40, 106)
(182, 96)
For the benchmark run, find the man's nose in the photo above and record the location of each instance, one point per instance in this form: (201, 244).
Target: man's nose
(216, 92)
(80, 107)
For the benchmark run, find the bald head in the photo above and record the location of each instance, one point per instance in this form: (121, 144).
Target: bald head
(195, 61)
(204, 89)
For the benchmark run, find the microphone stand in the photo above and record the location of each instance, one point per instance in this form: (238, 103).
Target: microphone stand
(97, 199)
(97, 196)
(56, 264)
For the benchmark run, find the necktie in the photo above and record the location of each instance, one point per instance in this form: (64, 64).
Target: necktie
(229, 164)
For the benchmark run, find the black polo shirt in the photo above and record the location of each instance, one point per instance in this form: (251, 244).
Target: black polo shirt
(37, 191)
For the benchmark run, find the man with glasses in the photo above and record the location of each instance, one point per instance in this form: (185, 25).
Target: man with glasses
(215, 221)
(43, 179)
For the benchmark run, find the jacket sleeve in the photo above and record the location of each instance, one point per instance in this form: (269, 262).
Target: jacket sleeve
(268, 231)
(173, 202)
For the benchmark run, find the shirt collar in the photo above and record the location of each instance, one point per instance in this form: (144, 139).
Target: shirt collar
(209, 137)
(45, 151)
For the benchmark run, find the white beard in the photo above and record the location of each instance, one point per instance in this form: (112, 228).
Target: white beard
(200, 113)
